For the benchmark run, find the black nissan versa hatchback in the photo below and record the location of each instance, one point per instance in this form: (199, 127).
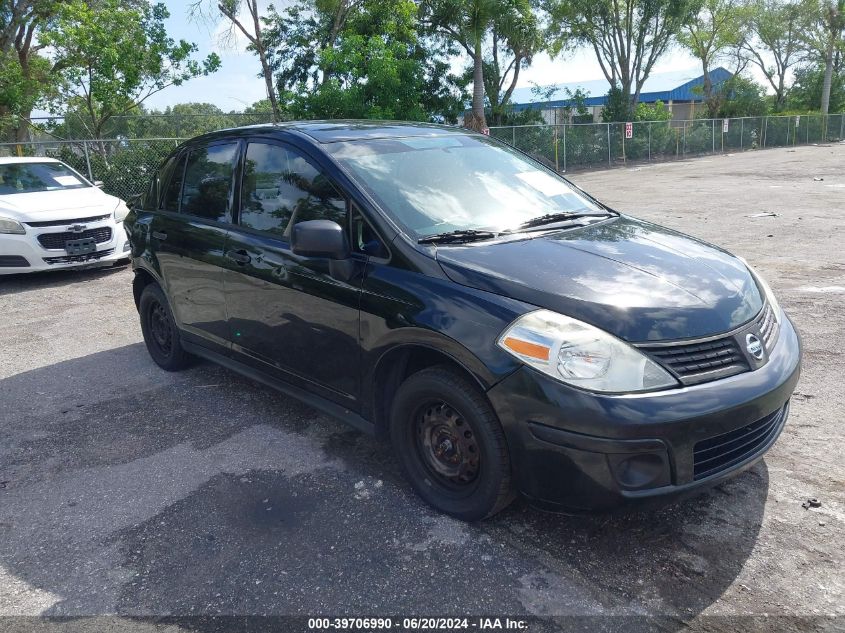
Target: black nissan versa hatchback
(508, 332)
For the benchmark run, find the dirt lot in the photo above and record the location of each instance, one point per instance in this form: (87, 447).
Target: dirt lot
(127, 490)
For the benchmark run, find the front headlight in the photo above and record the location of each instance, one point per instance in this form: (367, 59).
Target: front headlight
(581, 355)
(120, 212)
(10, 226)
(770, 295)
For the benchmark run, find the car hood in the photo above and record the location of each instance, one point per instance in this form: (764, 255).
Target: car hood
(636, 280)
(65, 204)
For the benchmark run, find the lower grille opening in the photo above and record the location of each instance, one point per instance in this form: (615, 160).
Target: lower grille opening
(67, 259)
(13, 261)
(720, 452)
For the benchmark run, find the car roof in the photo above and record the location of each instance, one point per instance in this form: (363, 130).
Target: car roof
(335, 131)
(13, 160)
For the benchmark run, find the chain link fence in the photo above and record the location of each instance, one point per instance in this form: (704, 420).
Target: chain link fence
(125, 165)
(585, 145)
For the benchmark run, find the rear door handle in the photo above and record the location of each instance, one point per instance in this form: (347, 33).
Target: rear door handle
(241, 257)
(160, 235)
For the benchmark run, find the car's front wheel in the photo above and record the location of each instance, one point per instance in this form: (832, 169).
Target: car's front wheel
(451, 445)
(159, 329)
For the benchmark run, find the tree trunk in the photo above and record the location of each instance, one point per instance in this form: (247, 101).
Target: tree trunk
(828, 77)
(265, 66)
(477, 121)
(712, 106)
(268, 83)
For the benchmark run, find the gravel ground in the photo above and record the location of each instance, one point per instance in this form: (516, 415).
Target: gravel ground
(129, 491)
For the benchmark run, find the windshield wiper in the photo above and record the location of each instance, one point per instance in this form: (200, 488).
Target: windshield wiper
(455, 237)
(551, 218)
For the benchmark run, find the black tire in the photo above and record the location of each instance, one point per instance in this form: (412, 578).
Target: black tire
(451, 445)
(160, 332)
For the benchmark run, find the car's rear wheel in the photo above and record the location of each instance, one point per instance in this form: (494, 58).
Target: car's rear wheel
(159, 329)
(451, 445)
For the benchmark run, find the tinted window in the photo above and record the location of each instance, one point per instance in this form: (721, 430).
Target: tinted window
(281, 188)
(455, 182)
(32, 177)
(208, 181)
(170, 202)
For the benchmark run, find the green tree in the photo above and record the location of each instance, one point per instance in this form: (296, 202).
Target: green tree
(824, 42)
(515, 38)
(466, 23)
(741, 97)
(115, 55)
(775, 31)
(27, 77)
(807, 91)
(709, 35)
(183, 120)
(375, 65)
(252, 27)
(627, 36)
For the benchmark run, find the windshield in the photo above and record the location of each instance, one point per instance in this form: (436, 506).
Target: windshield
(457, 182)
(32, 177)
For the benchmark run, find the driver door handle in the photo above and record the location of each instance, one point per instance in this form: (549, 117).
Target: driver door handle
(241, 257)
(160, 235)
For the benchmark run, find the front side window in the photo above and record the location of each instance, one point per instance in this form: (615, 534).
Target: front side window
(208, 181)
(456, 182)
(281, 187)
(34, 177)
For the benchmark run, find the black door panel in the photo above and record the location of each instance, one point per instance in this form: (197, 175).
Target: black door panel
(189, 246)
(189, 260)
(287, 313)
(291, 315)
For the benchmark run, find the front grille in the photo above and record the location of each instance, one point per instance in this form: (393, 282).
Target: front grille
(719, 453)
(13, 261)
(57, 240)
(701, 361)
(697, 362)
(97, 218)
(68, 259)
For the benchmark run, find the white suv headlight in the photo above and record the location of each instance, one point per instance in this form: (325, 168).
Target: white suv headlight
(120, 212)
(581, 355)
(10, 226)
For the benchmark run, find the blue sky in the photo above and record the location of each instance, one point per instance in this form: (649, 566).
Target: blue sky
(236, 84)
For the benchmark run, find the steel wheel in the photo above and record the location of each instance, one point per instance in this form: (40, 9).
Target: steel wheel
(447, 444)
(160, 328)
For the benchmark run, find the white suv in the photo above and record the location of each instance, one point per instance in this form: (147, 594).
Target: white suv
(52, 218)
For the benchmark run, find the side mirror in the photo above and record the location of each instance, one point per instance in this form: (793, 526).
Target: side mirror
(98, 183)
(134, 200)
(320, 238)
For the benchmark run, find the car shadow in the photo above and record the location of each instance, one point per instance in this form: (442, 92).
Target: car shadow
(126, 489)
(42, 280)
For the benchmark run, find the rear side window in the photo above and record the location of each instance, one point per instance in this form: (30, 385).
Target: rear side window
(207, 191)
(170, 200)
(281, 187)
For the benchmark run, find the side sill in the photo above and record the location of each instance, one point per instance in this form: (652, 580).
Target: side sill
(324, 405)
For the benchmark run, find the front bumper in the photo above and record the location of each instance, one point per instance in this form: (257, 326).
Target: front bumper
(578, 451)
(25, 254)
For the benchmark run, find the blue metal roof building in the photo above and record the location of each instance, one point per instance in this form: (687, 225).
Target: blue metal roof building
(680, 90)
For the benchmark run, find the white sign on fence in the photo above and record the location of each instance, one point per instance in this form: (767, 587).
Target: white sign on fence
(724, 126)
(629, 130)
(797, 120)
